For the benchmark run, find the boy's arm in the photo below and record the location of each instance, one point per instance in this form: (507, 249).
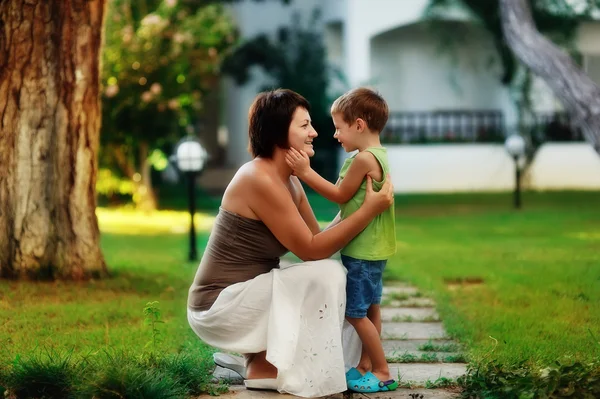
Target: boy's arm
(363, 163)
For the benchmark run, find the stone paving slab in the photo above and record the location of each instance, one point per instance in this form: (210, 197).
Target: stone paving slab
(420, 373)
(409, 314)
(405, 331)
(240, 392)
(403, 393)
(395, 348)
(410, 303)
(222, 374)
(390, 290)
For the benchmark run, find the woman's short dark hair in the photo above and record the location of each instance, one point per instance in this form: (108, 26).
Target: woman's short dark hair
(269, 120)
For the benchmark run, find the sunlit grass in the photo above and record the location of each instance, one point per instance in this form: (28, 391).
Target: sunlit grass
(131, 221)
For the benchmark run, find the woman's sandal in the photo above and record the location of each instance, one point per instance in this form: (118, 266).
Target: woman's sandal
(369, 383)
(261, 384)
(231, 362)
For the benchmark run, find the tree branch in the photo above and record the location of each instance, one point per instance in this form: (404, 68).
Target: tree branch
(578, 93)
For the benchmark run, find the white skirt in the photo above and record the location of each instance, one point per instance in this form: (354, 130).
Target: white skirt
(296, 315)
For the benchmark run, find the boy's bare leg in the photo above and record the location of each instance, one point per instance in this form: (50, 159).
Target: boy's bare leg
(372, 345)
(364, 363)
(259, 367)
(374, 314)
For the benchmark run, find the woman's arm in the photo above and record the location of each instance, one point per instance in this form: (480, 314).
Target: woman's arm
(273, 204)
(306, 210)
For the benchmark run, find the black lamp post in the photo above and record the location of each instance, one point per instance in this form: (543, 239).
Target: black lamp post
(515, 146)
(191, 157)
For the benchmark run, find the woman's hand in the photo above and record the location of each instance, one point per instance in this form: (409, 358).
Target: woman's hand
(378, 202)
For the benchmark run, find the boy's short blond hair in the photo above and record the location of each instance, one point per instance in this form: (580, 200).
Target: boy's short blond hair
(365, 104)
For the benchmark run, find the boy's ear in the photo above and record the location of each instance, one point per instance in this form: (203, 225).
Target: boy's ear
(360, 125)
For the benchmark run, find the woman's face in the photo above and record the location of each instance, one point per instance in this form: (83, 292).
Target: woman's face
(301, 132)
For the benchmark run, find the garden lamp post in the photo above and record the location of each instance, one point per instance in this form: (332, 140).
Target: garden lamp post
(190, 157)
(515, 146)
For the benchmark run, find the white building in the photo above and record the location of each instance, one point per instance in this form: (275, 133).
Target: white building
(387, 44)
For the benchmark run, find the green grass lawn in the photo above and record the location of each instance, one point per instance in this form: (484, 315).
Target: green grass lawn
(147, 263)
(529, 279)
(512, 285)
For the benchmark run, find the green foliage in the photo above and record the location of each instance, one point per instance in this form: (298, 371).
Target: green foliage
(109, 184)
(160, 59)
(111, 373)
(126, 376)
(431, 347)
(295, 59)
(441, 382)
(520, 380)
(194, 372)
(46, 374)
(426, 358)
(152, 319)
(558, 19)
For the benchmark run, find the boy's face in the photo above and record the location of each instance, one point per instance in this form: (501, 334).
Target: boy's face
(346, 134)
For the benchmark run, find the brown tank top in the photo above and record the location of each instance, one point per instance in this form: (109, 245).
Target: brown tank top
(238, 250)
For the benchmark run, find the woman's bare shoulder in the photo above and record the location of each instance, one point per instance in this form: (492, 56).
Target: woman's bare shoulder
(250, 173)
(247, 183)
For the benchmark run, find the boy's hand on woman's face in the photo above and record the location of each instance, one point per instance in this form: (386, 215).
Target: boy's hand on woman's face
(298, 161)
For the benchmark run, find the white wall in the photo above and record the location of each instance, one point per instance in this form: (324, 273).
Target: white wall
(334, 10)
(588, 38)
(414, 73)
(487, 167)
(588, 42)
(565, 166)
(365, 19)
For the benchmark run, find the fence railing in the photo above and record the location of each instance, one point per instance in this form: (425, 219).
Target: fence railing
(462, 126)
(554, 126)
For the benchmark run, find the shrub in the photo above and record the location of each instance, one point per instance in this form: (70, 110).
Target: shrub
(561, 380)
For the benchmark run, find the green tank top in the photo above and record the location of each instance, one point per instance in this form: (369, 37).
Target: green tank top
(378, 240)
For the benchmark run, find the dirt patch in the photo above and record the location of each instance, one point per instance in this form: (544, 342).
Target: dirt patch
(463, 283)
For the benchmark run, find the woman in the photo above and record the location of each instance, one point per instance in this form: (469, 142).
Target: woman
(286, 321)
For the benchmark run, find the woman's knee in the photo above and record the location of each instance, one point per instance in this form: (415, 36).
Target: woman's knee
(328, 272)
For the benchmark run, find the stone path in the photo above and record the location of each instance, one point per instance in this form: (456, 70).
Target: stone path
(419, 352)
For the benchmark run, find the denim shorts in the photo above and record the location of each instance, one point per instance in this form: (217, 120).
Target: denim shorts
(364, 285)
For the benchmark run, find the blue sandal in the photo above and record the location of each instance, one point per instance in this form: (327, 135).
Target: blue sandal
(351, 375)
(369, 383)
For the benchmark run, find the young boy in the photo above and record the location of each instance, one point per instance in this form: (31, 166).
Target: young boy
(359, 116)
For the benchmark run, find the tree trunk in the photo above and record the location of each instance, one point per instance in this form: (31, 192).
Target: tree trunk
(578, 93)
(147, 197)
(49, 136)
(143, 194)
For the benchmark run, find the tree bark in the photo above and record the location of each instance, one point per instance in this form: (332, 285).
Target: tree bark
(144, 194)
(49, 136)
(578, 93)
(147, 200)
